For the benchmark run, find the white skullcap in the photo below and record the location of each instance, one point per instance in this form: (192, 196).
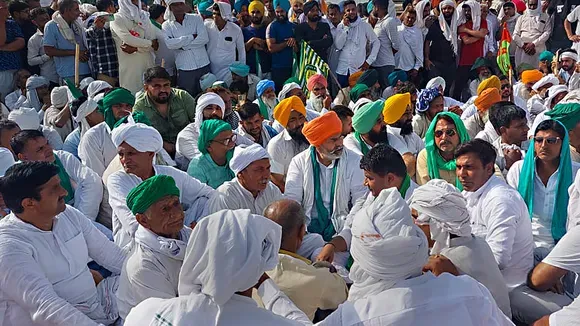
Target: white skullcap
(139, 136)
(244, 156)
(437, 81)
(35, 81)
(387, 246)
(286, 89)
(569, 55)
(96, 87)
(6, 160)
(86, 82)
(206, 81)
(168, 15)
(59, 96)
(442, 206)
(552, 93)
(25, 118)
(549, 79)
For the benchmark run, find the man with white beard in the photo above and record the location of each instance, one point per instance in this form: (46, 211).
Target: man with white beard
(318, 98)
(265, 90)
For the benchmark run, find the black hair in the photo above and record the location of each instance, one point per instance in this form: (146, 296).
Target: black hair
(103, 5)
(18, 141)
(64, 5)
(484, 151)
(334, 6)
(248, 110)
(6, 124)
(34, 13)
(17, 6)
(502, 77)
(509, 4)
(502, 114)
(240, 86)
(24, 180)
(156, 72)
(349, 2)
(383, 159)
(76, 104)
(155, 11)
(446, 118)
(551, 125)
(407, 87)
(381, 4)
(342, 111)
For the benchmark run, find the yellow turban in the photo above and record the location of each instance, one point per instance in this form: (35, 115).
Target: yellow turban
(296, 1)
(491, 82)
(531, 76)
(287, 105)
(486, 99)
(352, 79)
(320, 129)
(256, 5)
(395, 107)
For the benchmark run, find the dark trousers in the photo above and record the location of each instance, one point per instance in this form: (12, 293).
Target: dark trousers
(188, 80)
(461, 79)
(447, 70)
(279, 76)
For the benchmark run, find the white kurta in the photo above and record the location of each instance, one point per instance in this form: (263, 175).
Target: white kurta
(282, 148)
(531, 29)
(222, 47)
(500, 216)
(413, 142)
(193, 196)
(45, 279)
(86, 183)
(452, 300)
(96, 149)
(232, 195)
(265, 134)
(395, 142)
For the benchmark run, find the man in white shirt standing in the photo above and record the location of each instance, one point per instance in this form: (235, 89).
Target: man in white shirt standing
(44, 253)
(351, 37)
(36, 54)
(225, 39)
(498, 212)
(187, 36)
(410, 55)
(386, 31)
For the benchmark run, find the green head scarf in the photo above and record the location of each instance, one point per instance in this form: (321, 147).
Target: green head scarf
(149, 192)
(356, 92)
(208, 131)
(434, 160)
(568, 114)
(565, 179)
(116, 96)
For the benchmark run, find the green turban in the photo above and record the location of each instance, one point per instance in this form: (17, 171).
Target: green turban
(546, 56)
(567, 114)
(149, 192)
(356, 91)
(366, 117)
(208, 131)
(116, 96)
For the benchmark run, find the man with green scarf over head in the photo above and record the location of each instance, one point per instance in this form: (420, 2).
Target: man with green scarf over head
(437, 160)
(216, 143)
(567, 112)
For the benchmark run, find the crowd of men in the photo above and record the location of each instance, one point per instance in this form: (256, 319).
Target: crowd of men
(162, 164)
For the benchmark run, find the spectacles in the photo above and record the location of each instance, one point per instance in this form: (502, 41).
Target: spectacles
(549, 140)
(505, 86)
(448, 132)
(227, 141)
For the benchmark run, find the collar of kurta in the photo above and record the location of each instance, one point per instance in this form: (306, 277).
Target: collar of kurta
(294, 255)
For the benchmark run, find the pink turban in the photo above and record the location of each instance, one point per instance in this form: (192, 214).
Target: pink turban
(316, 79)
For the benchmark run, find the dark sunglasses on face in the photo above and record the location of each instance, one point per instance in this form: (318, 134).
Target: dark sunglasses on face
(549, 140)
(448, 132)
(505, 86)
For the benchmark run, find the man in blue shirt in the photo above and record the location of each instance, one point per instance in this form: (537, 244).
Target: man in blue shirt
(11, 42)
(61, 35)
(255, 39)
(281, 43)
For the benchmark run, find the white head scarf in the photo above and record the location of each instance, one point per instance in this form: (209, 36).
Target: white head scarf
(552, 93)
(138, 135)
(202, 102)
(6, 160)
(225, 10)
(32, 83)
(475, 14)
(437, 81)
(59, 97)
(535, 12)
(168, 13)
(569, 55)
(442, 206)
(246, 155)
(501, 14)
(286, 89)
(387, 246)
(87, 9)
(419, 8)
(449, 31)
(88, 107)
(25, 118)
(132, 12)
(96, 87)
(86, 82)
(549, 79)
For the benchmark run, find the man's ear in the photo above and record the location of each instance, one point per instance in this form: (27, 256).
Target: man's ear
(21, 156)
(28, 203)
(143, 220)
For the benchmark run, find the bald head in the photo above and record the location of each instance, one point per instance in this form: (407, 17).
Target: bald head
(288, 214)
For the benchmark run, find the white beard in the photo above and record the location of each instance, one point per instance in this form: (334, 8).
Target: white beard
(316, 102)
(270, 102)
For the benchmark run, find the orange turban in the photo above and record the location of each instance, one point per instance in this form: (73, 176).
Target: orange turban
(287, 105)
(320, 129)
(316, 79)
(352, 79)
(486, 99)
(531, 76)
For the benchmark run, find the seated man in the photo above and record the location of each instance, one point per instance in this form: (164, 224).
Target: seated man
(84, 111)
(319, 98)
(398, 115)
(58, 114)
(443, 215)
(345, 114)
(241, 72)
(389, 253)
(221, 275)
(266, 93)
(216, 142)
(429, 102)
(251, 188)
(44, 253)
(253, 126)
(309, 287)
(169, 109)
(326, 179)
(511, 124)
(437, 160)
(152, 268)
(83, 186)
(8, 129)
(291, 114)
(498, 213)
(137, 145)
(476, 123)
(27, 119)
(15, 99)
(37, 94)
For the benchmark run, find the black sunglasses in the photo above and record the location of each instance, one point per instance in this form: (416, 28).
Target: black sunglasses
(448, 132)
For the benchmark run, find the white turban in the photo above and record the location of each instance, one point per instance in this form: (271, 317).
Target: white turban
(206, 81)
(552, 93)
(549, 79)
(419, 7)
(25, 118)
(569, 55)
(227, 252)
(32, 83)
(286, 89)
(96, 87)
(168, 13)
(204, 101)
(139, 136)
(361, 101)
(225, 10)
(88, 107)
(6, 160)
(244, 156)
(86, 82)
(87, 9)
(436, 82)
(442, 206)
(59, 97)
(387, 247)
